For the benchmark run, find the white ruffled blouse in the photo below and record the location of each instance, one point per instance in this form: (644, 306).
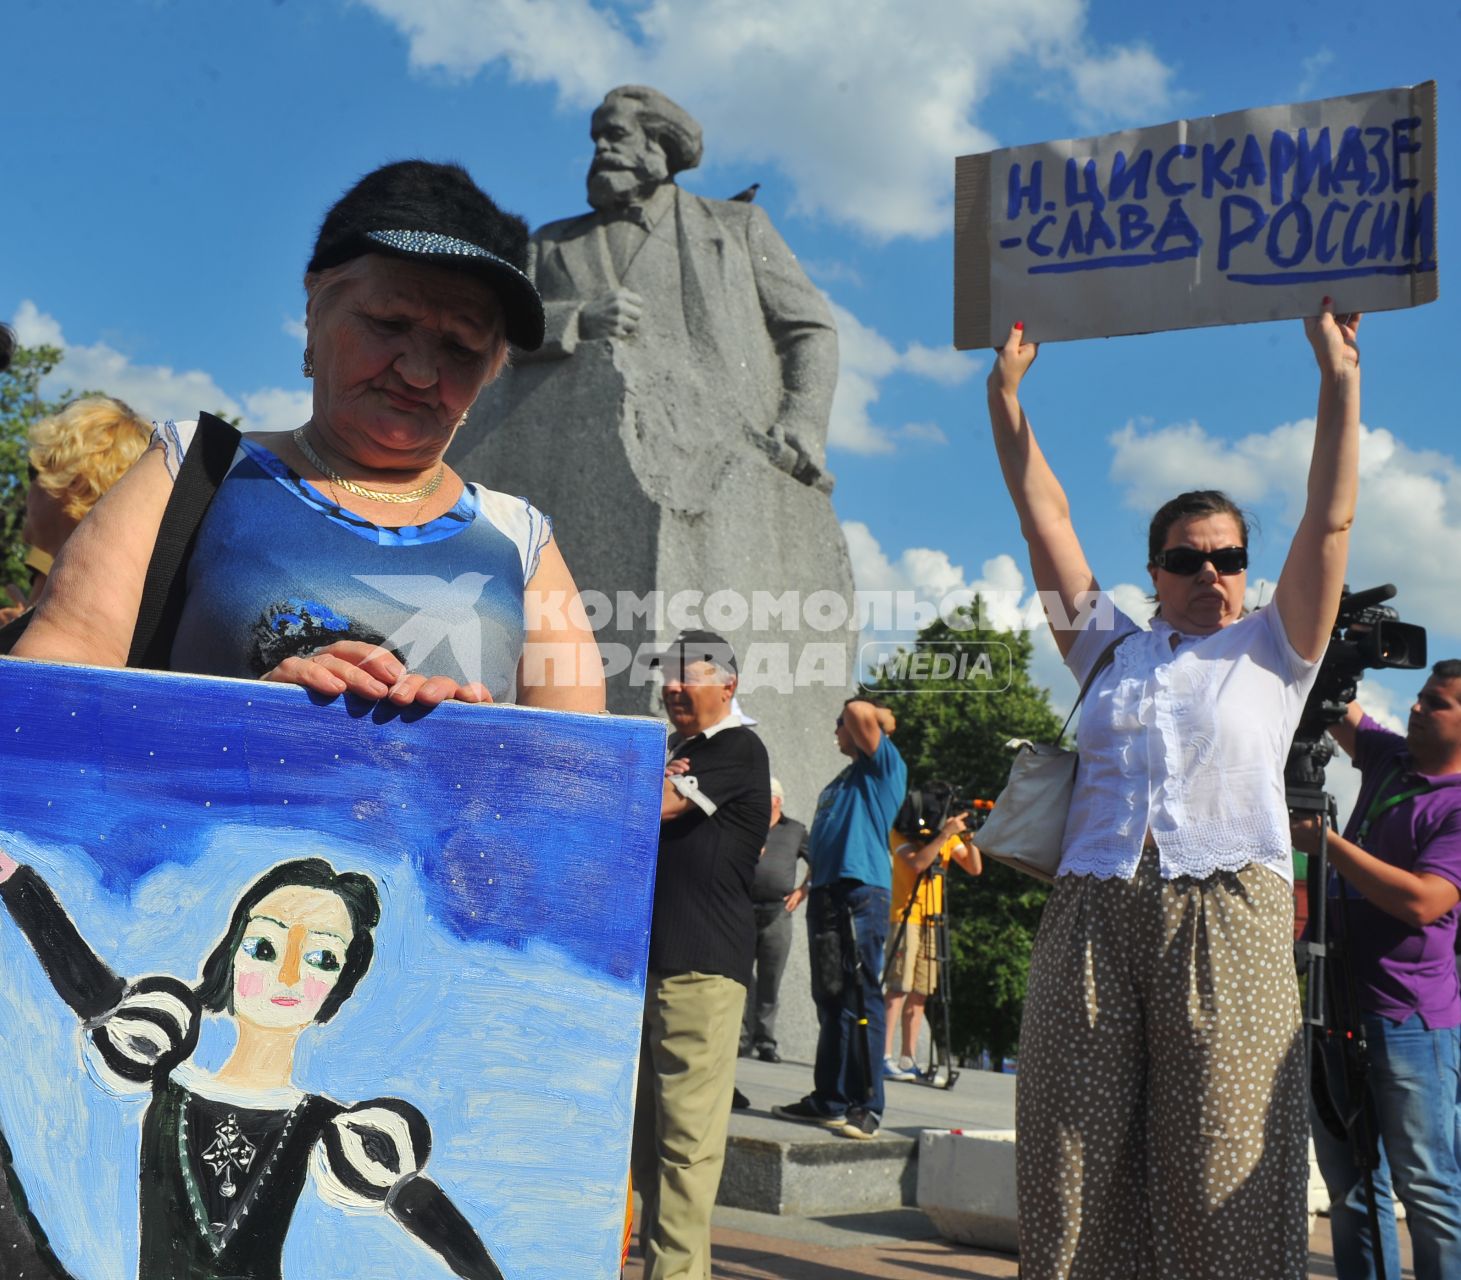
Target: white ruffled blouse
(1187, 742)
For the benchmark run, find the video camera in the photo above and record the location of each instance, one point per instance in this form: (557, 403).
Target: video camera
(925, 809)
(1367, 634)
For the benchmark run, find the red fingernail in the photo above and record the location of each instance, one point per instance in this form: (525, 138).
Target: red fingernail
(1019, 324)
(1327, 300)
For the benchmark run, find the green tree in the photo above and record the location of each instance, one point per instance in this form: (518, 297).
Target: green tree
(21, 405)
(954, 729)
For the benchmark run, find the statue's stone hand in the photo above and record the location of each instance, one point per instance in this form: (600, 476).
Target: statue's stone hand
(788, 454)
(615, 315)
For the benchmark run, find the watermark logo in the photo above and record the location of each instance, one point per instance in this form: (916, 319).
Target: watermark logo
(940, 666)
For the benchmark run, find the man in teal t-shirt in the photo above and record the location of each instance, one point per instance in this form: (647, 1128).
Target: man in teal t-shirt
(851, 883)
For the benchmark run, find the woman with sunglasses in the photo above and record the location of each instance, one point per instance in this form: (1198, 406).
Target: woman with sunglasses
(1161, 1106)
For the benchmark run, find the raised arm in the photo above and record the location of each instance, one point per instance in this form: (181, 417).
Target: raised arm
(1056, 559)
(79, 975)
(139, 1029)
(866, 724)
(1308, 591)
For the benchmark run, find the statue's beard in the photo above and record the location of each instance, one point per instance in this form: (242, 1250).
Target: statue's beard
(611, 188)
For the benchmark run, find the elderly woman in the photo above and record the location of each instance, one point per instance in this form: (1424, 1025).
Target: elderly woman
(75, 457)
(346, 556)
(1161, 1103)
(218, 1146)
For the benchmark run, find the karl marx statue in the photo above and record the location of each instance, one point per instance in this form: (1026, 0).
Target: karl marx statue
(674, 427)
(734, 342)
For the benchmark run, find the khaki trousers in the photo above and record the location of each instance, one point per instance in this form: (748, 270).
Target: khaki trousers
(687, 1070)
(1161, 1104)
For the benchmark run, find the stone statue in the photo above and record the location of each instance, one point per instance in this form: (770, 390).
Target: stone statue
(734, 342)
(674, 428)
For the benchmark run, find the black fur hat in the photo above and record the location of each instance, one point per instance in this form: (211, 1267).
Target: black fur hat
(422, 211)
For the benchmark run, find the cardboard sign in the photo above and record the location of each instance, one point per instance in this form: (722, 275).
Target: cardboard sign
(1253, 215)
(462, 1110)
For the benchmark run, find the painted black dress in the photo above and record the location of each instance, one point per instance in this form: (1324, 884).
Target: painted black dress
(220, 1178)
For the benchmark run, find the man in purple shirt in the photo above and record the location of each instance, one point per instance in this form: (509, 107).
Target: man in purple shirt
(1399, 861)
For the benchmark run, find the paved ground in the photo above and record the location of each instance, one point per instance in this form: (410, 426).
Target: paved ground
(899, 1245)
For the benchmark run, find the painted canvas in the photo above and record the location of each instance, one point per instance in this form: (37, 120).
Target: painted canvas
(315, 989)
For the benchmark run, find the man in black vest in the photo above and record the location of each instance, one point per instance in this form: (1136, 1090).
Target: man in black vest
(713, 821)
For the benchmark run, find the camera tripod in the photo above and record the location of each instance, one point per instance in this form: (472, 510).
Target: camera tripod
(1332, 1013)
(941, 1073)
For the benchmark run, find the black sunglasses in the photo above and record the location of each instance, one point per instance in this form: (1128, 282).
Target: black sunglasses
(1188, 560)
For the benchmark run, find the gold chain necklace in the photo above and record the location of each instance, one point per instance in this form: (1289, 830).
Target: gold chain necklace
(359, 490)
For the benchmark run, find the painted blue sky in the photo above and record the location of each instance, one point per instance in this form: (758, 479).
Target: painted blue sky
(505, 995)
(168, 164)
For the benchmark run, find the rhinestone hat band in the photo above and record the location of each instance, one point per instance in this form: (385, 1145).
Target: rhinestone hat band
(435, 242)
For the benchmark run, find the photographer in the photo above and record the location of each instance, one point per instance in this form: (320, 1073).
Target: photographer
(918, 901)
(1399, 866)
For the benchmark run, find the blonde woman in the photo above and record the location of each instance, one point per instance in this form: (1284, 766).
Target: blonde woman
(75, 457)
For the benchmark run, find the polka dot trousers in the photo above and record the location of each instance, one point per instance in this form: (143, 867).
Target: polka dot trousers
(1161, 1108)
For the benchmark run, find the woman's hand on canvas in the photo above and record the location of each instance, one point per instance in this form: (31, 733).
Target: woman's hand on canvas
(8, 866)
(368, 671)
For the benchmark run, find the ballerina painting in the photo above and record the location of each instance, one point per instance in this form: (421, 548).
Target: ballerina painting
(332, 1063)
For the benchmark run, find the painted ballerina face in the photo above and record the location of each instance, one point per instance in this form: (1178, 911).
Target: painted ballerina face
(291, 956)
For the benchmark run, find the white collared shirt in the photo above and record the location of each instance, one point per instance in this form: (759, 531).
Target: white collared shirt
(687, 784)
(1188, 743)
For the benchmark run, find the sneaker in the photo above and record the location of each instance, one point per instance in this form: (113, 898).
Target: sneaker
(859, 1122)
(739, 1101)
(767, 1053)
(809, 1112)
(897, 1071)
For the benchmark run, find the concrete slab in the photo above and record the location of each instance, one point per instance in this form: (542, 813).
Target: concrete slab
(966, 1186)
(778, 1166)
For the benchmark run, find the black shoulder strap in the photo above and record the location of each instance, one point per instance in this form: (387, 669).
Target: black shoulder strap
(13, 630)
(204, 466)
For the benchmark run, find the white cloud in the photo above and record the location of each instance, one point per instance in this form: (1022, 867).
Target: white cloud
(1128, 83)
(1407, 526)
(832, 271)
(861, 106)
(294, 327)
(925, 432)
(275, 409)
(157, 392)
(35, 329)
(867, 359)
(944, 365)
(1312, 70)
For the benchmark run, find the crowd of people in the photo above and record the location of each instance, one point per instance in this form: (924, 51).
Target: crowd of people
(1163, 1107)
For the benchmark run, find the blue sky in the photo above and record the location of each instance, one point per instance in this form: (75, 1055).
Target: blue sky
(168, 164)
(504, 1005)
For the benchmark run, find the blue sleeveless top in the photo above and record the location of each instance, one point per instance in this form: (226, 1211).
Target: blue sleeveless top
(279, 569)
